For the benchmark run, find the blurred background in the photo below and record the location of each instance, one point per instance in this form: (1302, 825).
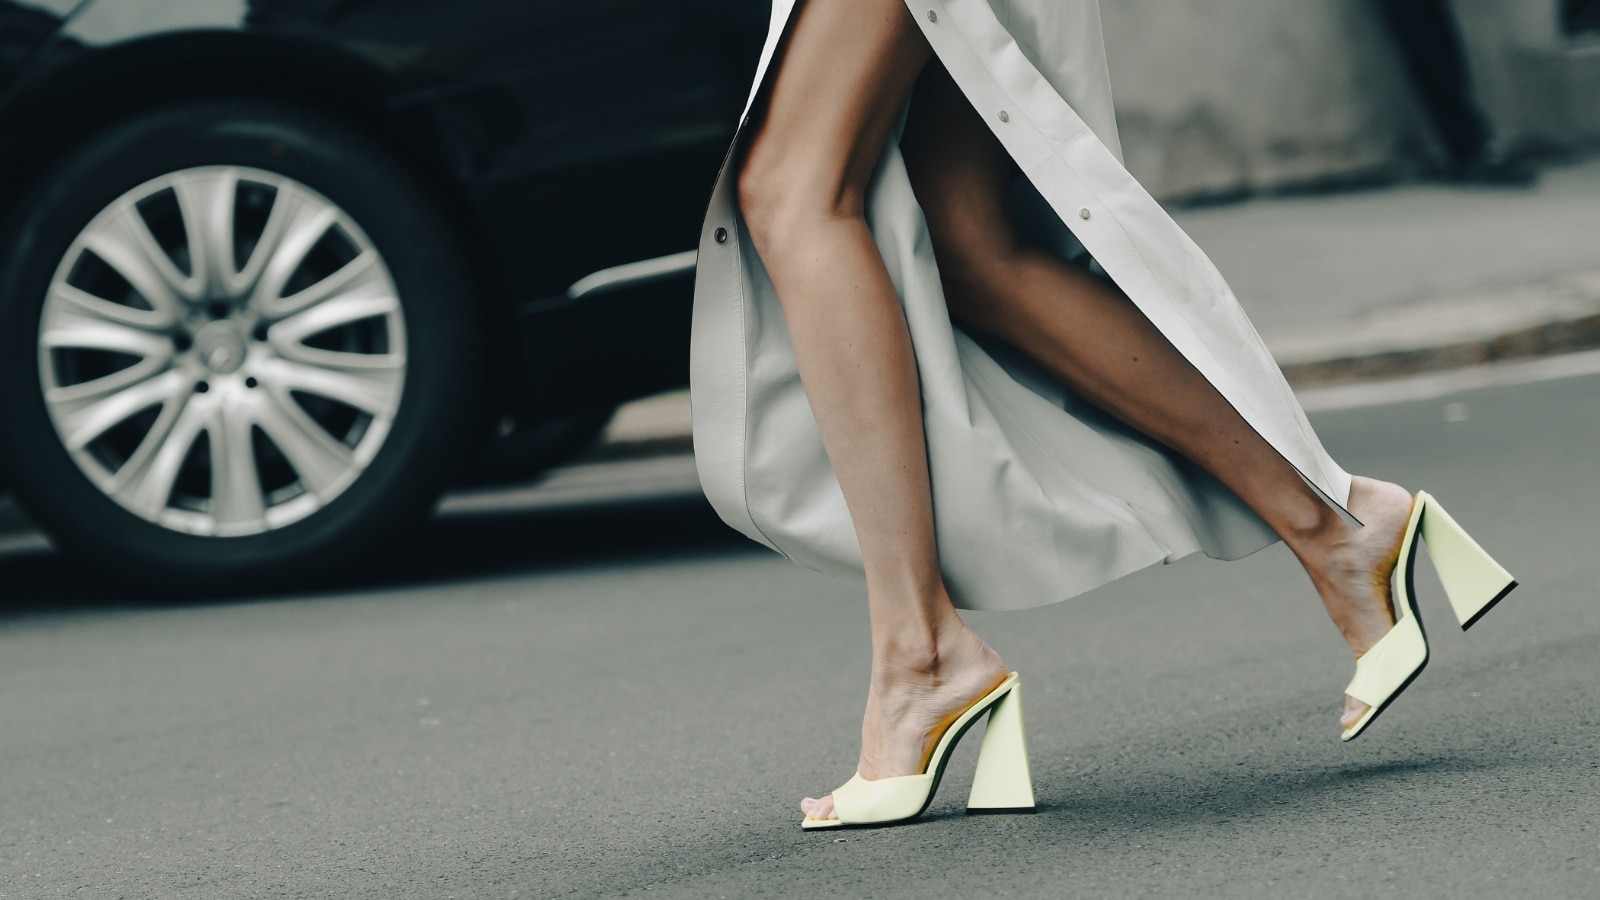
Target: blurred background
(1219, 98)
(343, 366)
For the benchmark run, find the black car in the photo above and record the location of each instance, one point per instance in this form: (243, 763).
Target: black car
(273, 271)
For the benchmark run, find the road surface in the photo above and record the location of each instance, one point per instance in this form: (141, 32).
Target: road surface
(623, 698)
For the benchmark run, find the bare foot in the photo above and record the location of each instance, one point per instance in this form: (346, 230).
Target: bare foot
(1352, 575)
(912, 697)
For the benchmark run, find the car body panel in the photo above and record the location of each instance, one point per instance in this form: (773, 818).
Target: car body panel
(573, 137)
(26, 26)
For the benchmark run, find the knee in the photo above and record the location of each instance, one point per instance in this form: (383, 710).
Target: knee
(761, 197)
(975, 271)
(783, 200)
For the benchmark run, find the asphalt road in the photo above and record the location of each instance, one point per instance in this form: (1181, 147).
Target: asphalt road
(614, 699)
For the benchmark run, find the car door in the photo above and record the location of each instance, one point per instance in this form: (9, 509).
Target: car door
(627, 114)
(586, 133)
(589, 135)
(585, 136)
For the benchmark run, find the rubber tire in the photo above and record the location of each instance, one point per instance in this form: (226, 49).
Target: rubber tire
(433, 425)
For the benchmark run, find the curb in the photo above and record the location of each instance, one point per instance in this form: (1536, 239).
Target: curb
(1550, 339)
(1555, 315)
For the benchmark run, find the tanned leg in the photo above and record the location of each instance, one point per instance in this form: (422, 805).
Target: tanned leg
(1087, 333)
(842, 79)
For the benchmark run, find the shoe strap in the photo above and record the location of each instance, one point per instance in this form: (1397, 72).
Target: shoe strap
(861, 802)
(1381, 670)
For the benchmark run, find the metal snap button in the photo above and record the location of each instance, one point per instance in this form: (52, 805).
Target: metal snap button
(721, 235)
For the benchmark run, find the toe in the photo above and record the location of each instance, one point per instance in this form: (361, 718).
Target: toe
(818, 809)
(1353, 711)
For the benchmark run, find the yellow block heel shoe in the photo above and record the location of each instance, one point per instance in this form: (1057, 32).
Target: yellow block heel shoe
(1002, 783)
(1472, 580)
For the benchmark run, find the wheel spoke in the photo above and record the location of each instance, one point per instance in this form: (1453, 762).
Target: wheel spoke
(237, 503)
(145, 481)
(360, 277)
(82, 422)
(66, 400)
(67, 327)
(75, 303)
(287, 337)
(206, 201)
(124, 241)
(321, 462)
(65, 330)
(372, 390)
(294, 226)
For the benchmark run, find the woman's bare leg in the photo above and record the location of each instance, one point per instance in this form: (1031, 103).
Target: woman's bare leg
(841, 83)
(1085, 331)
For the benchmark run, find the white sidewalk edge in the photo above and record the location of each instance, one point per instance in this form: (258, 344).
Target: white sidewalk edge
(1434, 385)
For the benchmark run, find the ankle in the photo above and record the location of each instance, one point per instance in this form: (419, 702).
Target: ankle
(1316, 530)
(1326, 548)
(925, 646)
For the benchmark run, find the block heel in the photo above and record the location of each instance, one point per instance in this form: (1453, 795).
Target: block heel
(1003, 783)
(1472, 579)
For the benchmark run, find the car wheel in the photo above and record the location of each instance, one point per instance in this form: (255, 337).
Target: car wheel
(238, 347)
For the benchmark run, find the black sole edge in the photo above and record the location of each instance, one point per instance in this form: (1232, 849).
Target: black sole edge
(1488, 606)
(1385, 704)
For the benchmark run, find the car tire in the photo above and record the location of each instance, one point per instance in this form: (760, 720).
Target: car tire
(403, 413)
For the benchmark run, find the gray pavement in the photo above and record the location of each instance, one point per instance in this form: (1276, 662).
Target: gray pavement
(1321, 260)
(1414, 277)
(559, 699)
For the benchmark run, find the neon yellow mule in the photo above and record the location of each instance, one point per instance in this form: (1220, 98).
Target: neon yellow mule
(1002, 783)
(1472, 580)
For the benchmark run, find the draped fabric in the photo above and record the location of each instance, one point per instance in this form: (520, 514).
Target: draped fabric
(1038, 496)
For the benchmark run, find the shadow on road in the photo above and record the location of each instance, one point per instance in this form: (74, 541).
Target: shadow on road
(578, 537)
(442, 551)
(1219, 797)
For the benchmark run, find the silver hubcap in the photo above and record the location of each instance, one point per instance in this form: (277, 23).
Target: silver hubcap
(222, 351)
